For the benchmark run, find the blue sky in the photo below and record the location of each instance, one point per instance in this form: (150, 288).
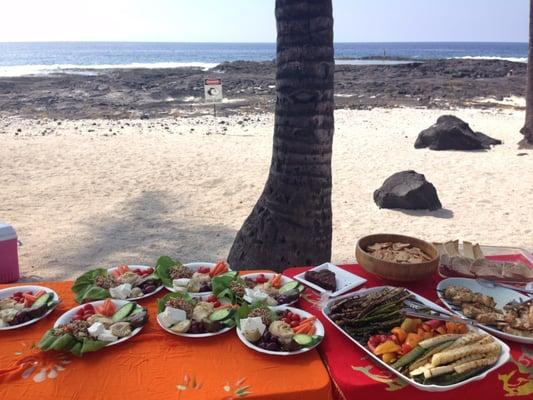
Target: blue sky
(253, 20)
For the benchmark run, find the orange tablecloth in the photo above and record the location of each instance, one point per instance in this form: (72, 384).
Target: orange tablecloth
(153, 365)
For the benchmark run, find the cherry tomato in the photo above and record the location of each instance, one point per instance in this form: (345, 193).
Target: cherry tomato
(294, 324)
(216, 304)
(204, 270)
(289, 315)
(295, 317)
(212, 298)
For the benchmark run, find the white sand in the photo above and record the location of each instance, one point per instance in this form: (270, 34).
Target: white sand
(80, 196)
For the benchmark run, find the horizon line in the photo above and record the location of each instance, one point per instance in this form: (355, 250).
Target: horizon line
(205, 42)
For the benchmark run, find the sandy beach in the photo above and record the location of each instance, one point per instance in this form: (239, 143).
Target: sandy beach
(103, 192)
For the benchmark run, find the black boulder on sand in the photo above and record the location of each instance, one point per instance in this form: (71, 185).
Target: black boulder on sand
(452, 133)
(407, 190)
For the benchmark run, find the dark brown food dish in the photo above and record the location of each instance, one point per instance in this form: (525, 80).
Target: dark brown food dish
(324, 278)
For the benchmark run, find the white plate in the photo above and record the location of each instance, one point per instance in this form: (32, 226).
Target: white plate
(304, 314)
(504, 354)
(194, 335)
(67, 317)
(195, 266)
(141, 267)
(12, 290)
(345, 280)
(269, 276)
(501, 296)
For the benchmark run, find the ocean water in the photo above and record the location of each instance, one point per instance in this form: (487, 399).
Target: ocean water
(17, 59)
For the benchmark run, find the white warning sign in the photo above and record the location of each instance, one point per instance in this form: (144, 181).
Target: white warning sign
(213, 90)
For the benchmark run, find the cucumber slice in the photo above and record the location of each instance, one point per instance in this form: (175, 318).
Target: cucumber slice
(123, 312)
(137, 310)
(293, 285)
(220, 315)
(51, 304)
(230, 322)
(303, 340)
(41, 301)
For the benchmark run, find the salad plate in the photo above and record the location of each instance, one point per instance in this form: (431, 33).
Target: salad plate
(180, 314)
(194, 278)
(24, 305)
(92, 326)
(278, 331)
(364, 335)
(495, 308)
(270, 288)
(125, 282)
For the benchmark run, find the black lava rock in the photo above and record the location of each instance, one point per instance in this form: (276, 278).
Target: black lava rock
(452, 133)
(407, 190)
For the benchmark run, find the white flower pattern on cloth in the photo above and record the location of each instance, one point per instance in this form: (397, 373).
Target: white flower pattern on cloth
(41, 366)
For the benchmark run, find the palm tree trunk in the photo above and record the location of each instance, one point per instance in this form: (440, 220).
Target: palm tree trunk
(291, 222)
(527, 130)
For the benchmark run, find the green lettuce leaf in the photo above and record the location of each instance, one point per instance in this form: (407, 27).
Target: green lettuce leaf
(89, 345)
(161, 302)
(86, 282)
(221, 286)
(162, 269)
(76, 349)
(92, 293)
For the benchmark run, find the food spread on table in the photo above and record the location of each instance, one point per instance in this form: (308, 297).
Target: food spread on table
(430, 351)
(183, 278)
(324, 278)
(398, 328)
(183, 314)
(24, 306)
(123, 282)
(277, 330)
(403, 253)
(95, 326)
(473, 264)
(516, 318)
(273, 289)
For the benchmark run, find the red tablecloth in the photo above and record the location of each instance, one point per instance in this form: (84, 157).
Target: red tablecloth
(357, 377)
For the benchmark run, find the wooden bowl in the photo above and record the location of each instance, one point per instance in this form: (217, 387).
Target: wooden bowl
(397, 271)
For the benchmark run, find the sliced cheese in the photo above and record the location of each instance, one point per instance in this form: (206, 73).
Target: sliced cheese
(121, 291)
(176, 314)
(180, 283)
(96, 329)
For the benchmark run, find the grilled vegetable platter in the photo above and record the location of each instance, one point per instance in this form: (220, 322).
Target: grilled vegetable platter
(502, 311)
(125, 282)
(24, 305)
(193, 278)
(196, 317)
(93, 326)
(279, 331)
(431, 354)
